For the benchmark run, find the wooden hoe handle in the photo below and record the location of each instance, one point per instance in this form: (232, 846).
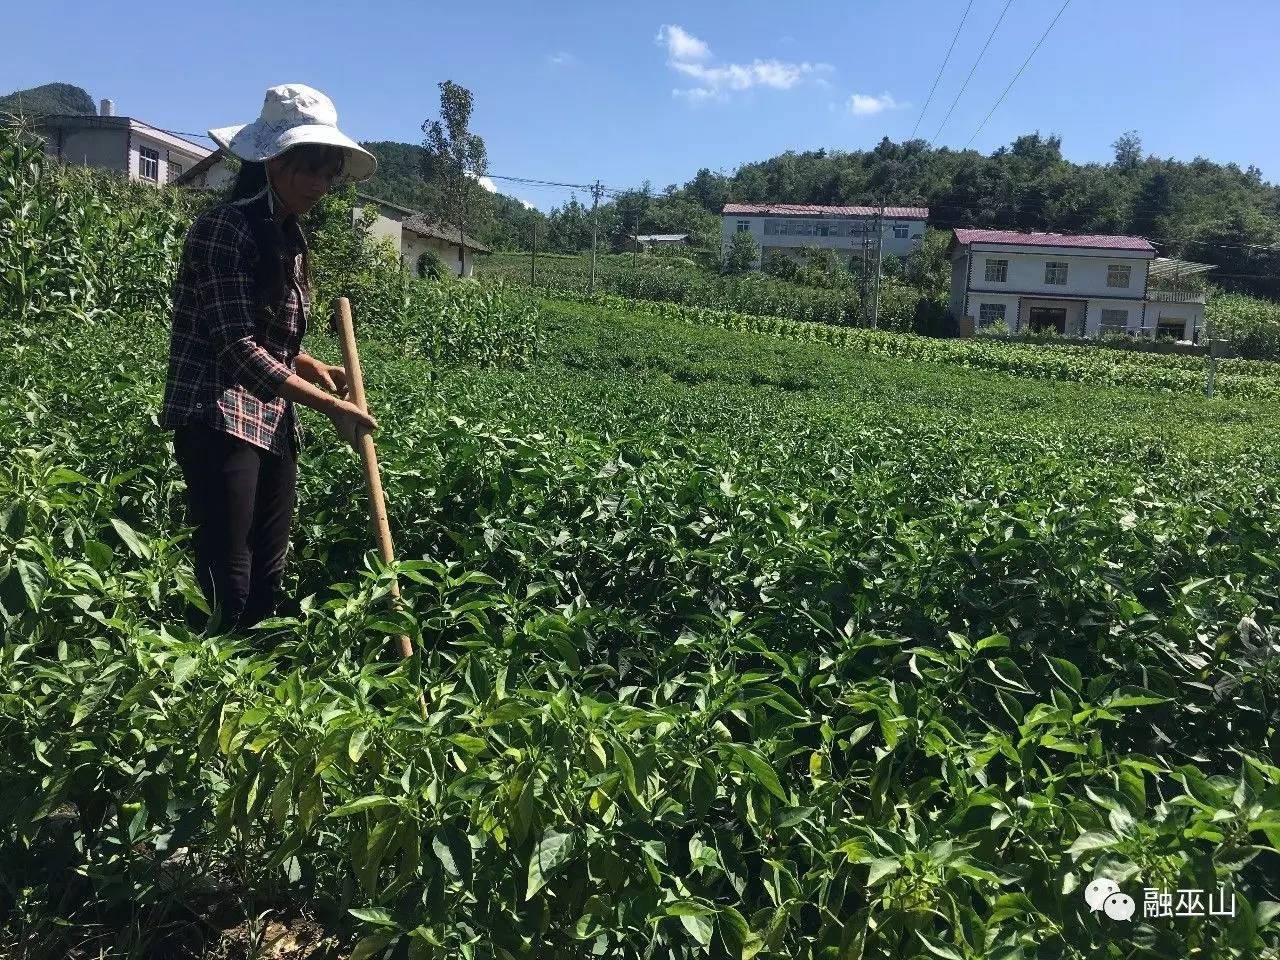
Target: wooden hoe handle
(368, 455)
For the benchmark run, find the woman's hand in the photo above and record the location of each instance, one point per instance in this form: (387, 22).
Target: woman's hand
(350, 421)
(324, 375)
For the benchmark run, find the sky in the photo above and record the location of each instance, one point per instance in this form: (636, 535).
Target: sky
(628, 92)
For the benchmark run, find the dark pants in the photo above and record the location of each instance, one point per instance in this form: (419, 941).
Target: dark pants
(240, 499)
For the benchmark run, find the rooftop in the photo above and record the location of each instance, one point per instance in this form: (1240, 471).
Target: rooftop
(820, 210)
(661, 236)
(424, 226)
(1018, 238)
(89, 120)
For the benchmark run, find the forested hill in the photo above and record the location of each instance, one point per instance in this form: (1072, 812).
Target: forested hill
(1199, 210)
(48, 98)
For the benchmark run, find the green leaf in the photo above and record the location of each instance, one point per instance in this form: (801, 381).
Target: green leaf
(472, 745)
(1132, 697)
(356, 745)
(1093, 840)
(371, 945)
(34, 581)
(790, 816)
(1066, 671)
(375, 915)
(995, 641)
(183, 668)
(130, 538)
(701, 928)
(760, 768)
(555, 847)
(940, 949)
(882, 867)
(372, 802)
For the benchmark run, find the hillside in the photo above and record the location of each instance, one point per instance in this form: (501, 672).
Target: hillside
(49, 98)
(400, 180)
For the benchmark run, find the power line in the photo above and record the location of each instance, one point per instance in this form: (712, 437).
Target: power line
(1000, 98)
(945, 59)
(964, 85)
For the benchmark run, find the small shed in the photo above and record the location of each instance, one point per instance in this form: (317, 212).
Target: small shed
(457, 249)
(644, 242)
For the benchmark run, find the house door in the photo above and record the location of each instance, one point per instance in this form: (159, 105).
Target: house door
(1171, 329)
(1048, 318)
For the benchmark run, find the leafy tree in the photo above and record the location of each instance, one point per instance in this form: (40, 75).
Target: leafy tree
(456, 159)
(743, 253)
(1128, 150)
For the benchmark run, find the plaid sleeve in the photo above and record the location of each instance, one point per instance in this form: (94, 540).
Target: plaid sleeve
(221, 246)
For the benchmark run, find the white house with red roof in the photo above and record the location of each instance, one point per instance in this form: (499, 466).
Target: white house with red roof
(790, 228)
(1082, 286)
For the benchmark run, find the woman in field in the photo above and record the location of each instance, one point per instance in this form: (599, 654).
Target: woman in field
(236, 365)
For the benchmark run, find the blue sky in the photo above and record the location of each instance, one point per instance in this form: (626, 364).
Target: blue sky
(625, 92)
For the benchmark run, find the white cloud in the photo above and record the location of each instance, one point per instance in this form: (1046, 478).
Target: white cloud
(682, 45)
(688, 55)
(867, 105)
(561, 58)
(492, 187)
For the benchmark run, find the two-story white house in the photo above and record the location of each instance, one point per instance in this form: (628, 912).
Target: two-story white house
(789, 228)
(123, 144)
(1080, 286)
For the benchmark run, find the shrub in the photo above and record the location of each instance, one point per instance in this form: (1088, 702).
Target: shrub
(431, 266)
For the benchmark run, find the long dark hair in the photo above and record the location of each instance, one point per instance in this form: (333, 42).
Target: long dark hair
(268, 235)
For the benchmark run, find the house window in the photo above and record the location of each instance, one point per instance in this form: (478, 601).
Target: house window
(822, 228)
(1055, 271)
(770, 227)
(148, 163)
(997, 271)
(1118, 274)
(744, 226)
(1171, 329)
(990, 314)
(174, 172)
(899, 231)
(784, 227)
(1114, 322)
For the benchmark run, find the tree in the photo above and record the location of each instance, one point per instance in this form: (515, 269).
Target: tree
(743, 253)
(455, 158)
(630, 210)
(1128, 148)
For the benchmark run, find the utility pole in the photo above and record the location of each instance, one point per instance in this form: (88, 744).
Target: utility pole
(875, 301)
(596, 190)
(533, 251)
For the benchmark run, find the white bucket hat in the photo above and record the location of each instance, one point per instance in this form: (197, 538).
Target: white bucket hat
(293, 114)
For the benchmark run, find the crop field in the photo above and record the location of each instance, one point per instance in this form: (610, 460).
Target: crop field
(736, 641)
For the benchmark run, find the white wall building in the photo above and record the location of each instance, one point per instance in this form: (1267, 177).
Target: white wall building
(123, 144)
(789, 228)
(1081, 286)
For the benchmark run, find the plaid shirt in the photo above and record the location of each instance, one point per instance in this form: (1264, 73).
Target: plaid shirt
(226, 366)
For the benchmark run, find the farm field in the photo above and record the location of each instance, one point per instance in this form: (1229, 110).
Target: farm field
(735, 643)
(1250, 324)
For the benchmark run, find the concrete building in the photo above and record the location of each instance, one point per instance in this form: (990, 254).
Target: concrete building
(850, 231)
(1080, 286)
(644, 242)
(420, 233)
(123, 144)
